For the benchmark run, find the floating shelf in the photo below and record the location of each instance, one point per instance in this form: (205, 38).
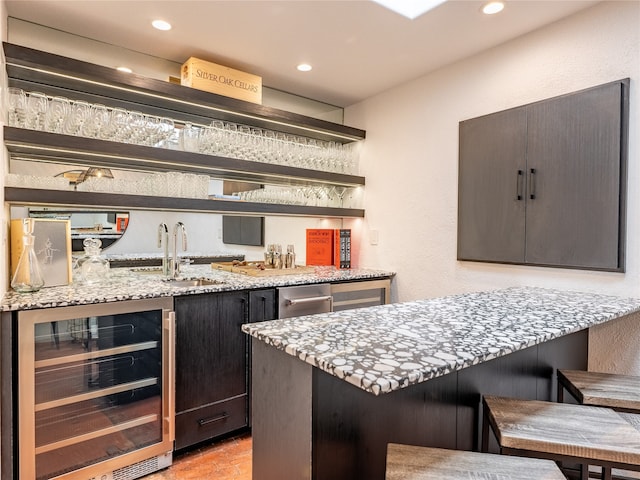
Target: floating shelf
(24, 144)
(57, 75)
(34, 70)
(31, 196)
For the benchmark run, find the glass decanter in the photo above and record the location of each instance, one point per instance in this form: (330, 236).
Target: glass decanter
(28, 275)
(91, 266)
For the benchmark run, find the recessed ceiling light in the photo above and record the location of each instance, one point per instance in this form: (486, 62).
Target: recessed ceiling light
(492, 7)
(410, 8)
(124, 69)
(161, 25)
(304, 67)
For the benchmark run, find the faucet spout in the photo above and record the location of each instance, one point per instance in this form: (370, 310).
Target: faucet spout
(163, 241)
(176, 263)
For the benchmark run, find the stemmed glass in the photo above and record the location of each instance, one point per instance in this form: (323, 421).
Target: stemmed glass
(17, 107)
(97, 120)
(56, 114)
(37, 106)
(78, 114)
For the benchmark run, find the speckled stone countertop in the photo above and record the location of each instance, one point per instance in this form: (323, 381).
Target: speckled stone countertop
(129, 284)
(385, 348)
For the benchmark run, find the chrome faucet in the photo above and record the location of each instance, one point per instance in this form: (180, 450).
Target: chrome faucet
(176, 263)
(163, 241)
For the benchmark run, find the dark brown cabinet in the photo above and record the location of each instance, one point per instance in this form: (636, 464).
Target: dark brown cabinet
(545, 184)
(212, 367)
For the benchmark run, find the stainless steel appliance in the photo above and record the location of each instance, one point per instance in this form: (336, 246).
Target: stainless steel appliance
(96, 390)
(304, 300)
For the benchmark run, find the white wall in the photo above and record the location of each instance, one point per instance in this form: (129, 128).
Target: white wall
(410, 157)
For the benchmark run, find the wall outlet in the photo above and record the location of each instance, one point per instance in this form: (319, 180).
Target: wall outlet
(373, 237)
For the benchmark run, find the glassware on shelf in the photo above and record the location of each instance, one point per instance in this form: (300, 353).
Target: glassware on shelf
(58, 114)
(37, 105)
(16, 107)
(92, 268)
(28, 275)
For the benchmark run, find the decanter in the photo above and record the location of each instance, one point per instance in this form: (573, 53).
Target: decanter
(91, 266)
(28, 275)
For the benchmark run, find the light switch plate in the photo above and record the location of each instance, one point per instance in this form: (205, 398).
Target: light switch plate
(373, 237)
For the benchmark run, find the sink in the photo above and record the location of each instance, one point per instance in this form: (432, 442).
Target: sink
(196, 282)
(147, 270)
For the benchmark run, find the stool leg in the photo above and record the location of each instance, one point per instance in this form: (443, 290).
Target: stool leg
(560, 393)
(485, 429)
(584, 471)
(606, 473)
(485, 437)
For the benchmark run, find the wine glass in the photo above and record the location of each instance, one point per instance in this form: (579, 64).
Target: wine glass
(37, 106)
(17, 107)
(79, 112)
(56, 114)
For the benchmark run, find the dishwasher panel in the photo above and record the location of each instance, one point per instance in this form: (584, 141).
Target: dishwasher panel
(304, 300)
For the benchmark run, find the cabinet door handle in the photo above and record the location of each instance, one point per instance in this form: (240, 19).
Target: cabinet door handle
(264, 307)
(532, 184)
(300, 301)
(519, 180)
(206, 421)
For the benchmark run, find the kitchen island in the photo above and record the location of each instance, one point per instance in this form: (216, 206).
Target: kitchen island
(331, 390)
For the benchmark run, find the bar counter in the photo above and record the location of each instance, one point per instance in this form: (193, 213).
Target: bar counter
(331, 390)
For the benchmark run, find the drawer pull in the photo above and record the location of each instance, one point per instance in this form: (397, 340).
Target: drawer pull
(206, 421)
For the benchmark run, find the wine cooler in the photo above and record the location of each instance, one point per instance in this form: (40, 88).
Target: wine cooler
(96, 389)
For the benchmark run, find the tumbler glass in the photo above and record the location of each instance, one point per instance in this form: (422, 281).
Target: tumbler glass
(16, 107)
(37, 106)
(56, 114)
(79, 113)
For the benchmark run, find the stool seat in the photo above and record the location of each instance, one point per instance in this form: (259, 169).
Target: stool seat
(620, 392)
(407, 462)
(563, 432)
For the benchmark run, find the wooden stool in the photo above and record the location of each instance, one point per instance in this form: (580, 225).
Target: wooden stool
(406, 462)
(562, 432)
(619, 392)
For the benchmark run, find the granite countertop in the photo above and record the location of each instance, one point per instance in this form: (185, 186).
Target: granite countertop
(389, 347)
(132, 283)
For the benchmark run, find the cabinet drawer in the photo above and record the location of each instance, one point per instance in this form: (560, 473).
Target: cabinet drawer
(210, 421)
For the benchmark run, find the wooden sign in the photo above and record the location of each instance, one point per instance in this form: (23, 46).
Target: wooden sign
(214, 78)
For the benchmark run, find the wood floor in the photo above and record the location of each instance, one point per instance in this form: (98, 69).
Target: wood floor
(228, 459)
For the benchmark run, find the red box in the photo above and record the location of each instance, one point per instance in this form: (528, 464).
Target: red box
(320, 246)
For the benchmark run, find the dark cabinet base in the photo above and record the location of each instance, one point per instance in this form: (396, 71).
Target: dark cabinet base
(311, 425)
(212, 362)
(204, 423)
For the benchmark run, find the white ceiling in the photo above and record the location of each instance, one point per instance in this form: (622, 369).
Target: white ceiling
(357, 48)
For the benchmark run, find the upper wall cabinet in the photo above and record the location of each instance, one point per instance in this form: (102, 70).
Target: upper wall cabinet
(545, 184)
(57, 76)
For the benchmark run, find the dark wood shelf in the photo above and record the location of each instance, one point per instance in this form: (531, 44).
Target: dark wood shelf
(57, 75)
(34, 70)
(53, 147)
(30, 196)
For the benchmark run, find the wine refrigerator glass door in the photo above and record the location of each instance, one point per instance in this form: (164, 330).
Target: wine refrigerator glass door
(95, 387)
